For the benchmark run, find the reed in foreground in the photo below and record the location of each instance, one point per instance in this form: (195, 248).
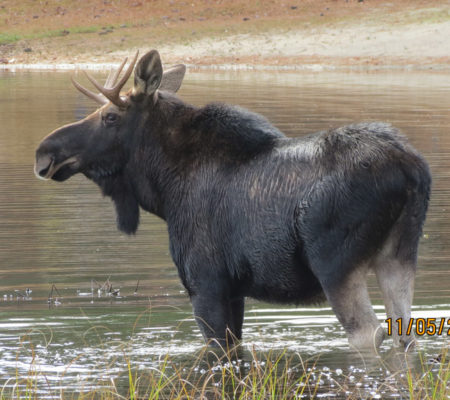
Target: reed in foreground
(243, 375)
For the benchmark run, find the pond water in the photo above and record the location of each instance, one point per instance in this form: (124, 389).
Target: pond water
(59, 240)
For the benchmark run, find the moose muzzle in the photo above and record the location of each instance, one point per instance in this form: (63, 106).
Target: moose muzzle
(45, 166)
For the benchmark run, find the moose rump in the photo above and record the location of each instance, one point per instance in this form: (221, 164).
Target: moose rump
(250, 212)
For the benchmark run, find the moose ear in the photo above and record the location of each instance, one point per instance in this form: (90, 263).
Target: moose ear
(148, 74)
(173, 78)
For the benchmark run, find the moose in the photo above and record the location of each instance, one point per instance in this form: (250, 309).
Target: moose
(249, 211)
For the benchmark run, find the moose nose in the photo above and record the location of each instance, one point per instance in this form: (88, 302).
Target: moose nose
(43, 166)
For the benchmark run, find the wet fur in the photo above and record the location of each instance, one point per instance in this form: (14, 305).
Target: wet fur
(253, 213)
(238, 202)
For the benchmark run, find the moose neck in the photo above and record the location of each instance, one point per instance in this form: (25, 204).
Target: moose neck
(176, 144)
(156, 170)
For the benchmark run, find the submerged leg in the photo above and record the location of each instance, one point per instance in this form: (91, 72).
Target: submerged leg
(395, 268)
(237, 310)
(351, 303)
(396, 280)
(214, 317)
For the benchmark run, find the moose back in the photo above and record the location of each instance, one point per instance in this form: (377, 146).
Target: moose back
(250, 212)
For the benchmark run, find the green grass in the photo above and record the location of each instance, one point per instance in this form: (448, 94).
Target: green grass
(215, 374)
(85, 29)
(221, 378)
(6, 38)
(427, 383)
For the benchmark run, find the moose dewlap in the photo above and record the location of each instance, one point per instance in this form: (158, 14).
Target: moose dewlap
(249, 211)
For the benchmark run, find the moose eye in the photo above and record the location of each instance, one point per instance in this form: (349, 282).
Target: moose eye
(110, 118)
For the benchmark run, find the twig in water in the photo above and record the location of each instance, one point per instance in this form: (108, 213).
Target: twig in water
(107, 285)
(50, 296)
(19, 293)
(137, 287)
(56, 290)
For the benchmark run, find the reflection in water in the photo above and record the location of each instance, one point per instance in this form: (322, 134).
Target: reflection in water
(64, 234)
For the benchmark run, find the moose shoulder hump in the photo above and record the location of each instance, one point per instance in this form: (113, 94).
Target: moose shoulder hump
(235, 129)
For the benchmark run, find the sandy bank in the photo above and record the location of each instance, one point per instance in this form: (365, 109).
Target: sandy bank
(370, 35)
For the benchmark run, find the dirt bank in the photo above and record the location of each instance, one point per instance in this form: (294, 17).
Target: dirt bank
(235, 33)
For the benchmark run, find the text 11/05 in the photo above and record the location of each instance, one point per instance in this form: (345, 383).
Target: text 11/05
(419, 326)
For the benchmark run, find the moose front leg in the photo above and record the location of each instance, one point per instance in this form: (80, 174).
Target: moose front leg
(214, 317)
(237, 310)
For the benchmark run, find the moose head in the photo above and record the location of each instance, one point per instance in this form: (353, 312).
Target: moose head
(89, 145)
(101, 145)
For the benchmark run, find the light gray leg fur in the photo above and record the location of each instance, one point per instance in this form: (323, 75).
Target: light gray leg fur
(351, 303)
(396, 280)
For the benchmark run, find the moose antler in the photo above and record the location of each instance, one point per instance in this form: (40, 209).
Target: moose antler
(111, 90)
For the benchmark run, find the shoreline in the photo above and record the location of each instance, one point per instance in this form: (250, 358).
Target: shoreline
(317, 67)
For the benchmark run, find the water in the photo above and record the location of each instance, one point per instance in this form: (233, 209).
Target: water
(60, 240)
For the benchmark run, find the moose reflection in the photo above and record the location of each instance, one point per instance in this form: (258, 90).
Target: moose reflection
(249, 211)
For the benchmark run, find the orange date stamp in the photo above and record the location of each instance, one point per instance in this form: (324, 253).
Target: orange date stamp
(419, 326)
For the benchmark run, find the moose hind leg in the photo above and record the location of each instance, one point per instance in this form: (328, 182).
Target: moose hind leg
(396, 280)
(395, 264)
(351, 303)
